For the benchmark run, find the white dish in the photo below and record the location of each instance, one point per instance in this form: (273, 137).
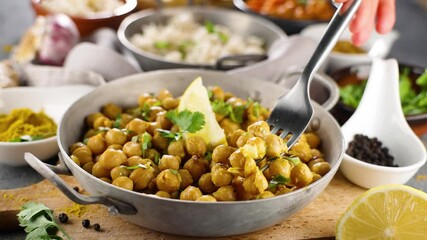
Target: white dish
(378, 46)
(380, 115)
(53, 100)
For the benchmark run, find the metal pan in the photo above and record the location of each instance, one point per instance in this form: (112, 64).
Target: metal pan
(177, 216)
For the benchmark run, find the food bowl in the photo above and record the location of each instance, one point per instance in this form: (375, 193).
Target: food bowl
(208, 219)
(238, 23)
(88, 24)
(290, 26)
(357, 73)
(54, 101)
(377, 46)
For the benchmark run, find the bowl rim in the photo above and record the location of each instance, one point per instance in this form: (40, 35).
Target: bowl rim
(125, 41)
(23, 144)
(65, 157)
(126, 8)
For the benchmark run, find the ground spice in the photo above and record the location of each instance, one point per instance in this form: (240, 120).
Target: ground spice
(421, 177)
(76, 210)
(24, 122)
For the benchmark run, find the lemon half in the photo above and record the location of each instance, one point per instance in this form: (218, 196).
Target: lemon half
(196, 99)
(391, 211)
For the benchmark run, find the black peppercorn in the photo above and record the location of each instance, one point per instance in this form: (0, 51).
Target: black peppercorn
(63, 217)
(97, 227)
(86, 223)
(76, 189)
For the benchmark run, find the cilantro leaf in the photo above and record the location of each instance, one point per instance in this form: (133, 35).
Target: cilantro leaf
(174, 136)
(221, 107)
(276, 181)
(210, 27)
(237, 114)
(116, 123)
(187, 121)
(135, 167)
(145, 143)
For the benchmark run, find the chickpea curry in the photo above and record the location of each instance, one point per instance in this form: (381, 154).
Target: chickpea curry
(142, 149)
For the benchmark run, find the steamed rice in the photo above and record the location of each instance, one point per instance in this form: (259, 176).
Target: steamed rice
(183, 39)
(82, 8)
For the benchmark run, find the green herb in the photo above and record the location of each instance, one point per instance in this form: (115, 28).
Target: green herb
(28, 138)
(162, 45)
(208, 156)
(225, 109)
(210, 94)
(302, 2)
(352, 94)
(102, 130)
(116, 123)
(174, 136)
(157, 158)
(295, 160)
(145, 143)
(223, 37)
(183, 48)
(422, 80)
(135, 139)
(276, 181)
(187, 121)
(38, 222)
(135, 167)
(210, 27)
(265, 167)
(236, 114)
(86, 140)
(173, 171)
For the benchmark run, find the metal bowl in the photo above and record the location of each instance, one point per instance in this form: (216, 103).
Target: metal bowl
(207, 219)
(237, 22)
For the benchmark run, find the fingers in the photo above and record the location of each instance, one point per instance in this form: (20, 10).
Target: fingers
(386, 16)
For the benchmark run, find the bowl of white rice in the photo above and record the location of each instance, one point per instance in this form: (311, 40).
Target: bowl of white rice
(196, 37)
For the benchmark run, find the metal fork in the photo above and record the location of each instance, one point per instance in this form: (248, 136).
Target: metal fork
(293, 111)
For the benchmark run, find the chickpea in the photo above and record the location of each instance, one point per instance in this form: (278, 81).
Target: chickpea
(90, 133)
(190, 193)
(316, 177)
(136, 160)
(125, 119)
(159, 142)
(88, 167)
(186, 178)
(142, 177)
(237, 159)
(143, 98)
(164, 93)
(206, 198)
(177, 148)
(112, 158)
(250, 167)
(99, 171)
(119, 171)
(241, 141)
(281, 167)
(153, 155)
(123, 182)
(217, 93)
(90, 119)
(265, 194)
(225, 193)
(137, 126)
(170, 103)
(314, 161)
(229, 126)
(154, 111)
(315, 153)
(115, 147)
(221, 154)
(233, 137)
(107, 180)
(97, 144)
(220, 176)
(302, 150)
(83, 154)
(132, 149)
(281, 189)
(196, 166)
(255, 184)
(195, 145)
(239, 189)
(206, 184)
(115, 136)
(312, 139)
(255, 148)
(275, 145)
(259, 129)
(301, 175)
(169, 162)
(111, 110)
(235, 101)
(174, 128)
(321, 168)
(162, 121)
(168, 180)
(76, 145)
(101, 122)
(163, 194)
(152, 128)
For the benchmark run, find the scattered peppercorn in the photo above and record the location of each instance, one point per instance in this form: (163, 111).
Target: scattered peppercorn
(370, 150)
(86, 223)
(77, 189)
(63, 217)
(97, 227)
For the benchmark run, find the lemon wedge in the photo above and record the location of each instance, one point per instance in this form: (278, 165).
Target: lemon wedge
(392, 211)
(196, 99)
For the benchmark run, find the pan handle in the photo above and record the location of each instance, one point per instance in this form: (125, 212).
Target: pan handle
(49, 172)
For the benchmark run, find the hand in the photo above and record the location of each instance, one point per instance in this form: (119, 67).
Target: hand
(378, 13)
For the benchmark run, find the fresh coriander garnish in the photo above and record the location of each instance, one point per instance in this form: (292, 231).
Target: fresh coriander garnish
(295, 160)
(162, 45)
(173, 171)
(145, 143)
(116, 123)
(174, 136)
(225, 109)
(28, 138)
(156, 158)
(187, 121)
(276, 181)
(135, 167)
(223, 37)
(38, 222)
(210, 27)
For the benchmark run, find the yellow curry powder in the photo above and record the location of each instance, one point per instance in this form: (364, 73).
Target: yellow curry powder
(24, 122)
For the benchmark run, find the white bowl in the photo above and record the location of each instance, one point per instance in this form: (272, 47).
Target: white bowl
(378, 46)
(53, 100)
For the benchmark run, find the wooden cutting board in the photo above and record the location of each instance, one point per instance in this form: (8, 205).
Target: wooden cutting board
(316, 220)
